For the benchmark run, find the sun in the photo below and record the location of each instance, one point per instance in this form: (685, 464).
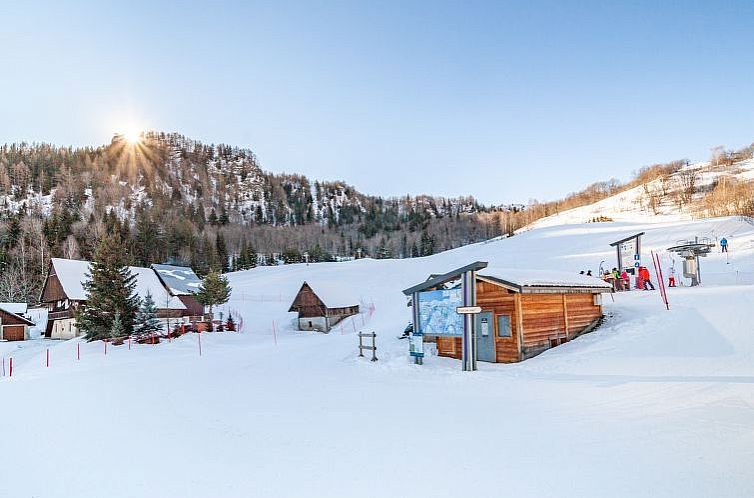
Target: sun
(132, 135)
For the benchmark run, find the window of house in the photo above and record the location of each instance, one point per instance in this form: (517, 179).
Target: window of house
(503, 326)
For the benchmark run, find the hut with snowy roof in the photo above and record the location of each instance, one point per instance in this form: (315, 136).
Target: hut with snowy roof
(324, 307)
(13, 325)
(524, 312)
(63, 294)
(183, 283)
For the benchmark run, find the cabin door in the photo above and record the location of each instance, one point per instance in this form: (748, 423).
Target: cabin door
(485, 337)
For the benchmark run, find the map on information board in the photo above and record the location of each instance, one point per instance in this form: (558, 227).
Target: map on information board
(437, 312)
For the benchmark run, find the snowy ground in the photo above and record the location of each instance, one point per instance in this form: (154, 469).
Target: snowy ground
(654, 403)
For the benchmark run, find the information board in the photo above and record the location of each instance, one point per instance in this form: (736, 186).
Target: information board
(437, 312)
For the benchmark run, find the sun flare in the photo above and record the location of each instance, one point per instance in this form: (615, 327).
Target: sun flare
(132, 136)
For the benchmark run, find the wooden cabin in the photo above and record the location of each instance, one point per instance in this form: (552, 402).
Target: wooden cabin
(63, 294)
(323, 309)
(524, 312)
(182, 282)
(13, 327)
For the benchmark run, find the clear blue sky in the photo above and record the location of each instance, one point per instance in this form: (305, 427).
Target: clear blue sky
(503, 101)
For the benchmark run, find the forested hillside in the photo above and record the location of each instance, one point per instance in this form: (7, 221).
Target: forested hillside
(177, 199)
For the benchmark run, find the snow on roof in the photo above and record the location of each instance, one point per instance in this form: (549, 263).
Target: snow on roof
(15, 308)
(147, 281)
(72, 274)
(334, 294)
(181, 280)
(542, 278)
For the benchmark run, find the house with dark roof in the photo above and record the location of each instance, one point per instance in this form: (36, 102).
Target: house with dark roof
(183, 283)
(323, 305)
(13, 327)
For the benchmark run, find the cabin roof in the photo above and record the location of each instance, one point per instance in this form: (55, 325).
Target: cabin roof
(72, 274)
(15, 308)
(332, 294)
(16, 316)
(180, 280)
(519, 280)
(531, 280)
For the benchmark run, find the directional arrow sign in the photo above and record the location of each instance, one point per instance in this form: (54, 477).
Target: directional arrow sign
(468, 310)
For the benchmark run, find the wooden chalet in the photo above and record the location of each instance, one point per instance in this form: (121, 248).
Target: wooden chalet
(13, 327)
(63, 295)
(322, 309)
(181, 282)
(524, 312)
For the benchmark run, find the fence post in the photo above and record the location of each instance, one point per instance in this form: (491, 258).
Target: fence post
(78, 351)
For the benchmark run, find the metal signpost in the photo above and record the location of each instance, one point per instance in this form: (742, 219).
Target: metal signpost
(416, 338)
(469, 310)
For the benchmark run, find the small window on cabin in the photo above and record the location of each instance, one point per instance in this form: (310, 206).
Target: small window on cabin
(598, 299)
(503, 326)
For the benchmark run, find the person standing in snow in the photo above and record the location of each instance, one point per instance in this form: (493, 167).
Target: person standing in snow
(723, 245)
(589, 273)
(646, 278)
(671, 277)
(618, 283)
(625, 280)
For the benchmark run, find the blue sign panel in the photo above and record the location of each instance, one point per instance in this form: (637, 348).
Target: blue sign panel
(437, 312)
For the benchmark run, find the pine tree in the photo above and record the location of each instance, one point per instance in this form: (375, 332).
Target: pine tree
(109, 291)
(146, 322)
(222, 253)
(117, 330)
(214, 290)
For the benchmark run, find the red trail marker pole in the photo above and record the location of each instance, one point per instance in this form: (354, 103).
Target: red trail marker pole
(10, 371)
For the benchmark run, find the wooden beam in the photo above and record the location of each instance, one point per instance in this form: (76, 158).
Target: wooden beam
(565, 314)
(519, 324)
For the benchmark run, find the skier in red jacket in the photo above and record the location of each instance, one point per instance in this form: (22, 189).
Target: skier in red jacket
(646, 278)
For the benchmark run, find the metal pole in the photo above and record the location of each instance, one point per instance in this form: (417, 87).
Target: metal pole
(468, 283)
(415, 317)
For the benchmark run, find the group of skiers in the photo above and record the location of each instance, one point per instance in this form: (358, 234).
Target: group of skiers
(621, 281)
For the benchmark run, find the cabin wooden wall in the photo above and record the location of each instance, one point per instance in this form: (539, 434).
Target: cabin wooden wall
(551, 319)
(53, 291)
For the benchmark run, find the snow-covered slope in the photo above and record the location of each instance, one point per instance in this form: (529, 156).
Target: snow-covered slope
(633, 205)
(654, 403)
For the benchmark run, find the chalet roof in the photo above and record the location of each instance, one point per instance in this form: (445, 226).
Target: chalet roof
(72, 274)
(15, 308)
(180, 280)
(334, 295)
(18, 317)
(530, 280)
(519, 280)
